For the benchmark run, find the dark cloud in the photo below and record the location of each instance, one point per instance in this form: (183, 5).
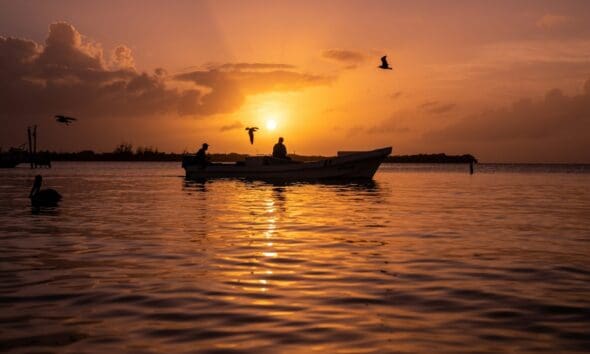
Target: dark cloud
(436, 107)
(348, 57)
(229, 87)
(443, 108)
(69, 75)
(557, 119)
(233, 126)
(395, 95)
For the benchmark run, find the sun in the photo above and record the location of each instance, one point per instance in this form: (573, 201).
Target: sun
(271, 124)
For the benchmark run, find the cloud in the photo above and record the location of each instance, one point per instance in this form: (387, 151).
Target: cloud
(69, 75)
(436, 107)
(443, 108)
(553, 122)
(531, 71)
(251, 66)
(355, 130)
(535, 64)
(228, 88)
(389, 126)
(233, 126)
(395, 95)
(394, 124)
(348, 57)
(428, 104)
(123, 58)
(549, 21)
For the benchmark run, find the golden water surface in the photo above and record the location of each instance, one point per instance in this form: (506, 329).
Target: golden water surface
(427, 259)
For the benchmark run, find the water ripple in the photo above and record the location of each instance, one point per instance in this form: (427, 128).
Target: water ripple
(138, 260)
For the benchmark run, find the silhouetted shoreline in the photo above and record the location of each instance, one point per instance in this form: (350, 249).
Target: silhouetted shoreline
(431, 158)
(154, 155)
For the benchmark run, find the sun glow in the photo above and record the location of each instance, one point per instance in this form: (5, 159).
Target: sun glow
(271, 112)
(271, 124)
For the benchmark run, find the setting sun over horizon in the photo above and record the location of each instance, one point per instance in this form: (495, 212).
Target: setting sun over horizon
(288, 176)
(506, 82)
(271, 124)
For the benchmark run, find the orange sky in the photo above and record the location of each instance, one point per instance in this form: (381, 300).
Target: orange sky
(506, 81)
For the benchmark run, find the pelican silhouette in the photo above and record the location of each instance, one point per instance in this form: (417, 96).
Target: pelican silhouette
(40, 196)
(251, 133)
(64, 119)
(384, 63)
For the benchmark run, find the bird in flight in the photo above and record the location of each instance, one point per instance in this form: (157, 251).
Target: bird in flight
(64, 119)
(384, 63)
(251, 133)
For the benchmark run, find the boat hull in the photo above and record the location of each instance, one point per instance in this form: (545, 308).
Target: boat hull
(350, 166)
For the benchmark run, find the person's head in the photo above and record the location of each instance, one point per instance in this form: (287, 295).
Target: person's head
(281, 140)
(205, 146)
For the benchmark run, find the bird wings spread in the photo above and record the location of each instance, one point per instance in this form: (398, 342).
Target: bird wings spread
(61, 118)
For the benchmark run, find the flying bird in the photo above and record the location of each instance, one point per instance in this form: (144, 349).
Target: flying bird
(64, 119)
(251, 133)
(384, 63)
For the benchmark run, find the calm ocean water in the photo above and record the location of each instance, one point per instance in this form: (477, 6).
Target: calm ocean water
(425, 259)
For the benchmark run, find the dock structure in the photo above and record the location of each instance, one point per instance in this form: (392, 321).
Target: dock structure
(35, 159)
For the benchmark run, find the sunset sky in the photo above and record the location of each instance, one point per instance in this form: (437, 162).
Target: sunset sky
(508, 81)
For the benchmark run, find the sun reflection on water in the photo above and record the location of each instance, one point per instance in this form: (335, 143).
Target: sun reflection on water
(414, 262)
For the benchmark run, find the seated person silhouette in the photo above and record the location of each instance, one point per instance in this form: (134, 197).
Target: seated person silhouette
(201, 156)
(279, 151)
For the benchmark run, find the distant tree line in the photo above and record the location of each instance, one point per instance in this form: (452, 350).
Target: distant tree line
(432, 158)
(122, 152)
(126, 152)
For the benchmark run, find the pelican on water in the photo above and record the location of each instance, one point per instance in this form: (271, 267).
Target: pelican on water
(251, 133)
(384, 63)
(40, 196)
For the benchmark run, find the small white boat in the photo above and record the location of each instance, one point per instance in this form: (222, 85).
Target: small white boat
(347, 165)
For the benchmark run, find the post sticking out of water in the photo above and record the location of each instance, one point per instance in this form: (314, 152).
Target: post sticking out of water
(30, 146)
(32, 137)
(471, 167)
(35, 144)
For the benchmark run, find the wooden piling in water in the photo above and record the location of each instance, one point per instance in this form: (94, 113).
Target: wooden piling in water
(35, 145)
(30, 146)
